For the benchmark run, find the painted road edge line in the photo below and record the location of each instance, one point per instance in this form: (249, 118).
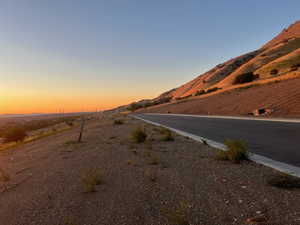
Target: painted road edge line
(230, 117)
(280, 166)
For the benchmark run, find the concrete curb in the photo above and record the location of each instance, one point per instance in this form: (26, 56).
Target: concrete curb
(280, 166)
(231, 117)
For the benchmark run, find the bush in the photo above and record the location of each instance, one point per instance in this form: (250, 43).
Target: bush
(236, 151)
(200, 92)
(166, 134)
(274, 72)
(14, 134)
(118, 122)
(90, 179)
(212, 89)
(294, 67)
(138, 135)
(244, 78)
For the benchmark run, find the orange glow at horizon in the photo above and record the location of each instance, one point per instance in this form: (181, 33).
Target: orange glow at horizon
(42, 104)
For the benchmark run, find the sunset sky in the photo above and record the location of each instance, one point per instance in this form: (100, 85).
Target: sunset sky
(83, 55)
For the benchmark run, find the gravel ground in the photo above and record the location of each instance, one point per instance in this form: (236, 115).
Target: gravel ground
(157, 182)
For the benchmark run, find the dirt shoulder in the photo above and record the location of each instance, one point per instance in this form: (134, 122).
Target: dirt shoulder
(283, 98)
(155, 182)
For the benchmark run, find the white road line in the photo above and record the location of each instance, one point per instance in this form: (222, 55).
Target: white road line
(280, 166)
(231, 117)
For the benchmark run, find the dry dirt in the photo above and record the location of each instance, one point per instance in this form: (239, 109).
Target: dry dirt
(184, 180)
(282, 97)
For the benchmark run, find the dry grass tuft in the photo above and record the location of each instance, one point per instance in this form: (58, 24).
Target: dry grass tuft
(138, 135)
(167, 135)
(236, 151)
(179, 215)
(90, 179)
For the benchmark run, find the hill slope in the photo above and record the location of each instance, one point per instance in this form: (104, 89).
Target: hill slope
(261, 62)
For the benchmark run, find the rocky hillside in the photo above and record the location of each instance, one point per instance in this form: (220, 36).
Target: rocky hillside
(278, 57)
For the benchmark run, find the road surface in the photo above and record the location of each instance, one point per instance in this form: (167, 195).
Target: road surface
(279, 141)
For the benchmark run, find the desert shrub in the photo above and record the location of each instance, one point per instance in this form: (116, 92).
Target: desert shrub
(212, 89)
(90, 179)
(274, 72)
(167, 135)
(133, 106)
(200, 92)
(284, 181)
(118, 122)
(14, 134)
(154, 160)
(236, 151)
(179, 215)
(295, 67)
(138, 135)
(244, 78)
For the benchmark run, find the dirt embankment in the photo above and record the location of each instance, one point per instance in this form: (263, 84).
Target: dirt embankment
(282, 97)
(157, 182)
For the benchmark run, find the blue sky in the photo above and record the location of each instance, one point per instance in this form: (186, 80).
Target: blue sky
(111, 52)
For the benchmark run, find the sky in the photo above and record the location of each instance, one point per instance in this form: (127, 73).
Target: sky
(86, 55)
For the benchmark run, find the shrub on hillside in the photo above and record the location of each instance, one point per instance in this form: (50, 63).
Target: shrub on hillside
(14, 134)
(200, 92)
(274, 72)
(212, 89)
(295, 67)
(244, 78)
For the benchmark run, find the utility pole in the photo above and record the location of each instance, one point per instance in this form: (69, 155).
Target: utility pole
(81, 129)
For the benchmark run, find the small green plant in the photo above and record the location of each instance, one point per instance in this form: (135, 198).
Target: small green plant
(179, 215)
(14, 134)
(90, 179)
(284, 181)
(236, 151)
(138, 135)
(118, 122)
(166, 134)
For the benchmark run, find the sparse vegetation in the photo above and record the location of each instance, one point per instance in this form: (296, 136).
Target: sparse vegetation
(14, 134)
(236, 151)
(179, 215)
(245, 78)
(138, 135)
(200, 92)
(118, 122)
(212, 90)
(167, 135)
(154, 160)
(284, 181)
(274, 72)
(4, 177)
(90, 179)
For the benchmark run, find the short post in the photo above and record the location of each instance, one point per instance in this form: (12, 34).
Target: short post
(81, 129)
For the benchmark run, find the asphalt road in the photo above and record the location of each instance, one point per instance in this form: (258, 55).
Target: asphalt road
(279, 141)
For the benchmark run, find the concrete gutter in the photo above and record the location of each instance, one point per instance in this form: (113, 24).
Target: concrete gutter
(231, 117)
(280, 166)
